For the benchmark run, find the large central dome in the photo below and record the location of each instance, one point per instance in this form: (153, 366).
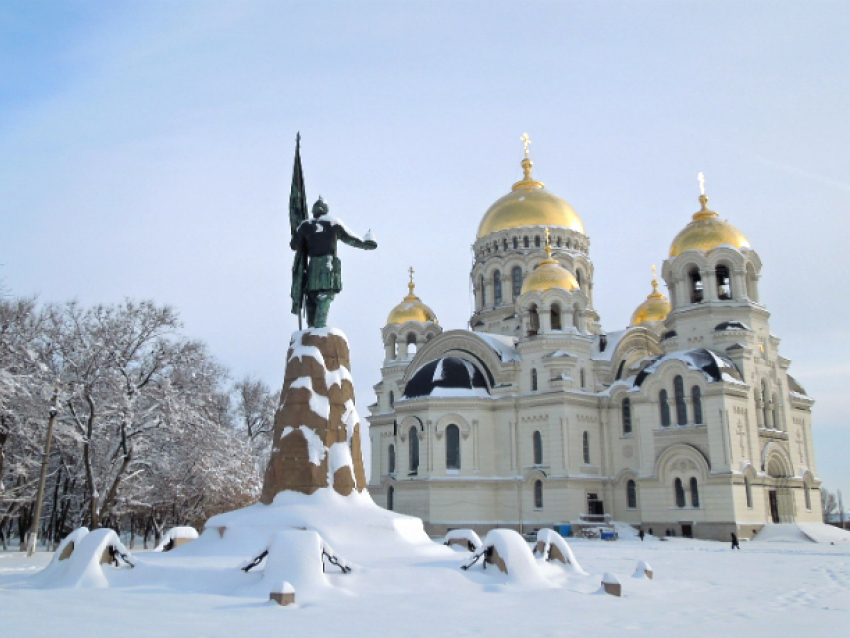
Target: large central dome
(529, 204)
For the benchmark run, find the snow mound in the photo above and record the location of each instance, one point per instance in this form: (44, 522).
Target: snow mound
(82, 569)
(812, 532)
(547, 539)
(295, 557)
(510, 553)
(463, 537)
(174, 534)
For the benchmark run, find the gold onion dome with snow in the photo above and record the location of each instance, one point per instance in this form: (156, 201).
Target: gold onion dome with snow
(411, 308)
(549, 274)
(529, 204)
(655, 308)
(707, 231)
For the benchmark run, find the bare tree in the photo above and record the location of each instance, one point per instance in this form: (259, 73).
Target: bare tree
(829, 502)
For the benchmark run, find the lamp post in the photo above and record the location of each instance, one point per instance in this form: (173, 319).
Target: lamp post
(33, 535)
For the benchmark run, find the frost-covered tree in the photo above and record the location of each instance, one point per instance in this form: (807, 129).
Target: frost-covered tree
(829, 502)
(255, 410)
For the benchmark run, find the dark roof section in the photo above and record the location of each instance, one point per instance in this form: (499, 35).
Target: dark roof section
(731, 325)
(448, 372)
(794, 386)
(715, 366)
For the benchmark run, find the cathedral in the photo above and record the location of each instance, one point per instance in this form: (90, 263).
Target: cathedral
(684, 423)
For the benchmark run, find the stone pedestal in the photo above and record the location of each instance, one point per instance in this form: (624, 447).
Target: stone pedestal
(317, 429)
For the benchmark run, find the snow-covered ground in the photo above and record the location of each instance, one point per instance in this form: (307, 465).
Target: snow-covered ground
(404, 585)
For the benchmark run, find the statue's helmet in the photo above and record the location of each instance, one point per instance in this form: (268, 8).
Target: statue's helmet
(320, 207)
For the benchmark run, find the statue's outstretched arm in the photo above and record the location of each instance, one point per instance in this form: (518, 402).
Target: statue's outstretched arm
(345, 235)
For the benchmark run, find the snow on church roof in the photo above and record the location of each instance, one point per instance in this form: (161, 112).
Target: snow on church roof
(716, 367)
(503, 345)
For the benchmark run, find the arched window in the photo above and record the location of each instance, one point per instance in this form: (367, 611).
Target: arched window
(631, 495)
(808, 494)
(749, 490)
(411, 345)
(537, 241)
(680, 492)
(452, 447)
(392, 399)
(537, 444)
(390, 497)
(516, 243)
(585, 447)
(516, 282)
(391, 464)
(576, 317)
(559, 242)
(555, 316)
(694, 492)
(578, 279)
(777, 424)
(483, 292)
(664, 408)
(681, 409)
(627, 416)
(538, 495)
(724, 283)
(525, 241)
(497, 289)
(696, 399)
(534, 379)
(752, 283)
(696, 286)
(533, 321)
(765, 401)
(414, 450)
(505, 244)
(582, 378)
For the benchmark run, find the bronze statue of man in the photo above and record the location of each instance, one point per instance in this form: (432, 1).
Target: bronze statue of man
(316, 239)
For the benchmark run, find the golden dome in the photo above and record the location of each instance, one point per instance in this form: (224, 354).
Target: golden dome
(529, 204)
(655, 308)
(707, 231)
(549, 274)
(411, 308)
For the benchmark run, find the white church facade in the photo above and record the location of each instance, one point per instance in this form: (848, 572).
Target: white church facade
(686, 422)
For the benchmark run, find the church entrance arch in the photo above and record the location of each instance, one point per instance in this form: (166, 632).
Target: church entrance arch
(780, 495)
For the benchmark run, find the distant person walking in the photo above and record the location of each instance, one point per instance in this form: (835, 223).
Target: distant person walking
(735, 544)
(641, 534)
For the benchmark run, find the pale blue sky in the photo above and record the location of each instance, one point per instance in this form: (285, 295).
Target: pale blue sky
(146, 149)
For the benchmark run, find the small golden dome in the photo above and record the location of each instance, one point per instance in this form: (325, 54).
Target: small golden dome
(529, 204)
(549, 274)
(707, 231)
(411, 308)
(655, 308)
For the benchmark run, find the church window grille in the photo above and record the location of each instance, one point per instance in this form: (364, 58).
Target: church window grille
(390, 497)
(534, 379)
(533, 321)
(664, 408)
(585, 447)
(452, 447)
(631, 495)
(694, 492)
(748, 488)
(680, 492)
(414, 450)
(696, 400)
(391, 463)
(497, 289)
(516, 281)
(627, 416)
(696, 286)
(681, 408)
(538, 495)
(537, 444)
(724, 283)
(555, 316)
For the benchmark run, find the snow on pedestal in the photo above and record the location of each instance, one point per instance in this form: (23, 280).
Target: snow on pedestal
(611, 585)
(508, 551)
(316, 440)
(465, 538)
(175, 537)
(643, 570)
(82, 568)
(283, 594)
(552, 546)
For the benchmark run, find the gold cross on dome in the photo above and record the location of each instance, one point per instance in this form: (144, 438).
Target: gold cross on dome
(525, 142)
(701, 180)
(654, 272)
(411, 271)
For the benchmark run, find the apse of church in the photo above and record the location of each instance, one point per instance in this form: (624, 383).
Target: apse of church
(686, 420)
